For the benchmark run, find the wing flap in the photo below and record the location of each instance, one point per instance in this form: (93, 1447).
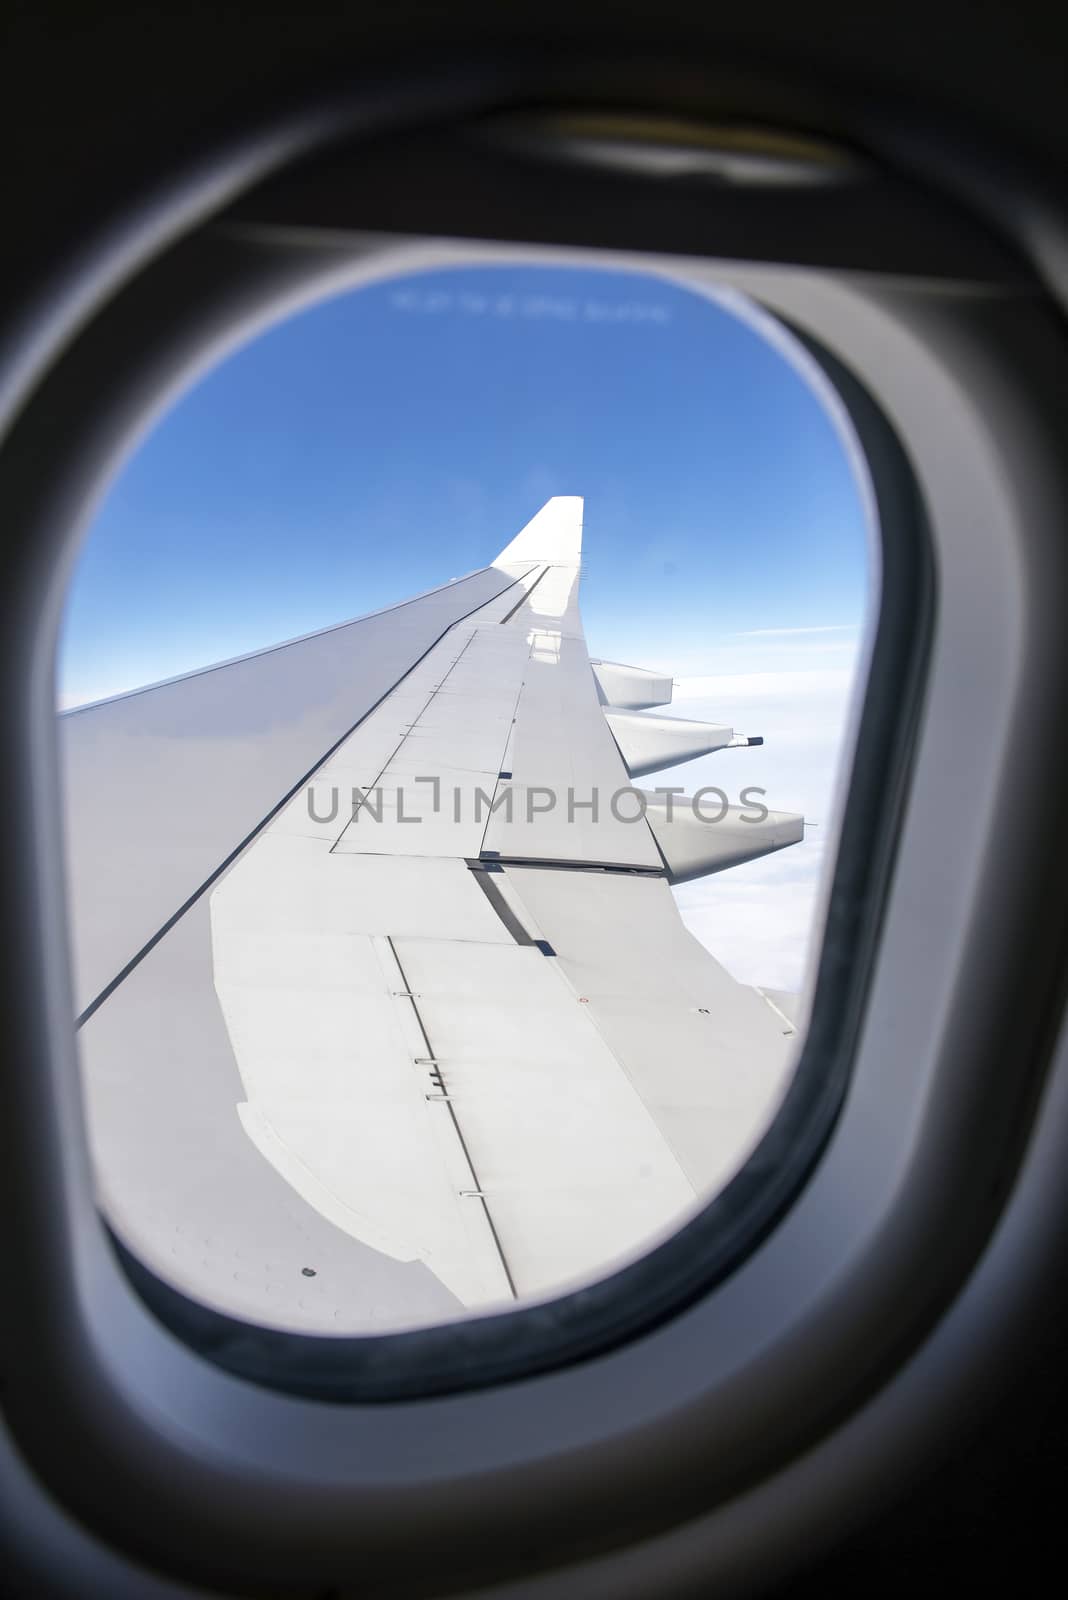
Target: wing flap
(576, 1174)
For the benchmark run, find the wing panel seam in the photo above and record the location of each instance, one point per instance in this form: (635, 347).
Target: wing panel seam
(451, 1109)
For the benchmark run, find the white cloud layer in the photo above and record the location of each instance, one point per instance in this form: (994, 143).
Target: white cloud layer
(779, 633)
(762, 921)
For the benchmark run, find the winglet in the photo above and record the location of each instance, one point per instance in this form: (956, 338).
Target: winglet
(554, 535)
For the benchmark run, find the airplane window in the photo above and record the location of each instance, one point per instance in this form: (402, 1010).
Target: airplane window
(450, 958)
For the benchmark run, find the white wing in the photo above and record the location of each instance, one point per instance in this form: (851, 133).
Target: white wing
(361, 1068)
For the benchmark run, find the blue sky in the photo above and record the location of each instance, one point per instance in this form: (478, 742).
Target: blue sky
(389, 439)
(396, 436)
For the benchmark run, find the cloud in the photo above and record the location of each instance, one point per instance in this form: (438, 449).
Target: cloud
(787, 692)
(762, 921)
(776, 633)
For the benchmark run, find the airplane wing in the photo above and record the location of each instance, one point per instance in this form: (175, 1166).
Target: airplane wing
(386, 1008)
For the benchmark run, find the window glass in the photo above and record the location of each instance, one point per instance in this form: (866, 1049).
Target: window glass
(447, 959)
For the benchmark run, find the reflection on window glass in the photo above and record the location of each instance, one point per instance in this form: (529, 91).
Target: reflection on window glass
(453, 956)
